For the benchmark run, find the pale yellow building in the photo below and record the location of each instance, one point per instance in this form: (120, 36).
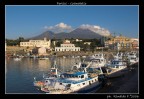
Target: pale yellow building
(37, 43)
(118, 42)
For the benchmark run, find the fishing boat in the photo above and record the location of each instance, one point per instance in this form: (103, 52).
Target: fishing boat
(78, 82)
(94, 61)
(51, 75)
(72, 82)
(132, 58)
(97, 60)
(119, 56)
(116, 67)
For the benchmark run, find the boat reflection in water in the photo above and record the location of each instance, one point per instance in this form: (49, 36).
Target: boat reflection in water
(19, 74)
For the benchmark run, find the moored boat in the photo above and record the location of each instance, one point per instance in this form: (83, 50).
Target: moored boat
(78, 82)
(132, 58)
(73, 82)
(116, 68)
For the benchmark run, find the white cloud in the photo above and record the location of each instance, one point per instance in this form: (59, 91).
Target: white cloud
(45, 27)
(61, 27)
(96, 29)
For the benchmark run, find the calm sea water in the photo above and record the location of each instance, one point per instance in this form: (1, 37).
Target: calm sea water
(20, 74)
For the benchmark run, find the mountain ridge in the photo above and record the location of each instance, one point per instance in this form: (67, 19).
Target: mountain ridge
(77, 33)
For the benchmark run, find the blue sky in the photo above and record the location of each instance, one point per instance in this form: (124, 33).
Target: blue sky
(29, 21)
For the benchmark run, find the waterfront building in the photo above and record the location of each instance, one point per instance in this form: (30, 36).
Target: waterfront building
(121, 42)
(67, 46)
(135, 43)
(42, 51)
(37, 43)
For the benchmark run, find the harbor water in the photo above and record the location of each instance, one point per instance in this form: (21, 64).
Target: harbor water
(20, 74)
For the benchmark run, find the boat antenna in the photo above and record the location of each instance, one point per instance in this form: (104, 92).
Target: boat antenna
(34, 78)
(43, 75)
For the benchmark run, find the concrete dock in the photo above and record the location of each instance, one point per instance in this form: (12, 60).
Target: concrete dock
(128, 83)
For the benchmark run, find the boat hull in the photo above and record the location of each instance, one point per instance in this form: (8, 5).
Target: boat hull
(91, 88)
(117, 73)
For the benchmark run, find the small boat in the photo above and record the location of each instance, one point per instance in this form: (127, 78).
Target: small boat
(17, 59)
(116, 68)
(43, 58)
(118, 56)
(132, 58)
(97, 60)
(52, 75)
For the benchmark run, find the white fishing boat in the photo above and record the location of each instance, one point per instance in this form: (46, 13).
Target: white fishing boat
(118, 56)
(97, 60)
(132, 58)
(79, 82)
(72, 82)
(116, 68)
(51, 75)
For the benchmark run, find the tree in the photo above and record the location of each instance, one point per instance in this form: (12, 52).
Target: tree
(11, 42)
(58, 43)
(21, 39)
(86, 47)
(52, 45)
(92, 46)
(14, 42)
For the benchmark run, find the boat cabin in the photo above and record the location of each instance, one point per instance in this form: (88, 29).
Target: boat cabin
(74, 76)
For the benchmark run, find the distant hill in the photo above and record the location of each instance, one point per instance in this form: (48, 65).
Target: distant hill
(84, 33)
(77, 33)
(48, 34)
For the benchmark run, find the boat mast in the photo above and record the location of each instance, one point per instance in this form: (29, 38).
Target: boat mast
(55, 67)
